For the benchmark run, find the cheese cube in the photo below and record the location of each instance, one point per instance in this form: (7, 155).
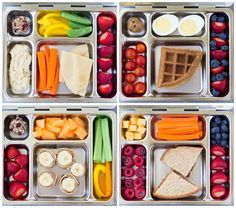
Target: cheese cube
(134, 120)
(126, 124)
(137, 136)
(132, 128)
(141, 130)
(142, 121)
(129, 135)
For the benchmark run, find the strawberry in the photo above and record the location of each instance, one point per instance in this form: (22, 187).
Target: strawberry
(12, 152)
(105, 63)
(104, 77)
(218, 27)
(218, 69)
(218, 178)
(21, 175)
(12, 168)
(218, 150)
(218, 164)
(17, 189)
(105, 22)
(219, 41)
(218, 191)
(221, 86)
(219, 54)
(105, 89)
(22, 160)
(106, 51)
(106, 38)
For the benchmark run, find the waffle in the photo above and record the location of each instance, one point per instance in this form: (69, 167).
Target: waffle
(177, 65)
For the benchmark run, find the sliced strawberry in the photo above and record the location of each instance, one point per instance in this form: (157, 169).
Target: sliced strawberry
(106, 51)
(17, 189)
(218, 191)
(105, 22)
(105, 89)
(218, 27)
(221, 86)
(106, 38)
(219, 41)
(218, 150)
(218, 164)
(12, 152)
(12, 168)
(105, 63)
(21, 176)
(219, 54)
(218, 69)
(218, 178)
(104, 77)
(22, 160)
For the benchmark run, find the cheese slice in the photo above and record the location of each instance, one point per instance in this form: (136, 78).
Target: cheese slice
(76, 71)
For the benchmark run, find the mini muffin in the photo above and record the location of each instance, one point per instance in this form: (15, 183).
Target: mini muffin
(47, 179)
(46, 158)
(65, 158)
(77, 169)
(135, 24)
(68, 184)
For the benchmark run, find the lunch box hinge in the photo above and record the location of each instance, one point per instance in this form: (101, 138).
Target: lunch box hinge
(25, 110)
(207, 109)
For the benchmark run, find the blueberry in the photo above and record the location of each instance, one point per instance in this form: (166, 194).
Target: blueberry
(218, 137)
(224, 143)
(225, 48)
(219, 77)
(213, 17)
(213, 136)
(224, 62)
(213, 78)
(224, 136)
(215, 63)
(212, 43)
(223, 36)
(221, 19)
(225, 74)
(213, 142)
(213, 124)
(224, 129)
(215, 93)
(215, 130)
(213, 34)
(225, 121)
(217, 119)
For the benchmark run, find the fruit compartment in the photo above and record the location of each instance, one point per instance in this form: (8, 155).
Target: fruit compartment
(180, 16)
(220, 157)
(134, 69)
(125, 19)
(179, 129)
(24, 23)
(81, 155)
(16, 172)
(69, 46)
(106, 53)
(195, 86)
(16, 127)
(133, 172)
(197, 176)
(219, 54)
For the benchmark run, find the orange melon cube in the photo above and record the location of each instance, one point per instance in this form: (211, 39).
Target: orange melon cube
(73, 124)
(81, 132)
(64, 131)
(48, 135)
(40, 123)
(79, 121)
(52, 128)
(36, 128)
(37, 134)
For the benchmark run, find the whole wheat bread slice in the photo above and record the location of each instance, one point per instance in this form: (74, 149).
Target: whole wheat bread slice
(174, 186)
(181, 158)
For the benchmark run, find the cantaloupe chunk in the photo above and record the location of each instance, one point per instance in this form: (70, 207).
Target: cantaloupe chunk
(36, 128)
(40, 123)
(71, 135)
(81, 132)
(79, 121)
(64, 131)
(37, 134)
(48, 135)
(58, 123)
(73, 124)
(52, 128)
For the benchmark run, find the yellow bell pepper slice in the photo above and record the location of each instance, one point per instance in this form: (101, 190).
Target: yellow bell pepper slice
(56, 30)
(96, 172)
(45, 17)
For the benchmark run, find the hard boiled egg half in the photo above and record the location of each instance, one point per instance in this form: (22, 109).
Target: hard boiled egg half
(190, 25)
(165, 24)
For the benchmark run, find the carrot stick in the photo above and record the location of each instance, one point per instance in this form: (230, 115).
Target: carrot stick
(53, 90)
(47, 55)
(108, 179)
(192, 119)
(178, 116)
(173, 124)
(170, 137)
(42, 70)
(180, 130)
(52, 67)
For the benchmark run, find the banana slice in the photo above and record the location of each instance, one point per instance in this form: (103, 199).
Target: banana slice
(47, 179)
(68, 184)
(65, 158)
(77, 169)
(46, 158)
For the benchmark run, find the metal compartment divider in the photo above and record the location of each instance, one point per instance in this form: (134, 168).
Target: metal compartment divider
(150, 143)
(31, 143)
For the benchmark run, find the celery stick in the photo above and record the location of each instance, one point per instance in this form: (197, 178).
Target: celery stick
(106, 140)
(103, 154)
(97, 153)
